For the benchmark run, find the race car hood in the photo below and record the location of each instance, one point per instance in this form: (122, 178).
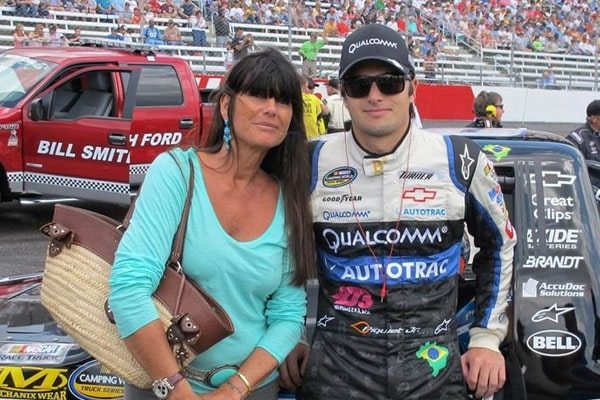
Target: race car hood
(29, 335)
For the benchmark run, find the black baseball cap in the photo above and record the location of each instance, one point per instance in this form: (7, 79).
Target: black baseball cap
(593, 108)
(376, 42)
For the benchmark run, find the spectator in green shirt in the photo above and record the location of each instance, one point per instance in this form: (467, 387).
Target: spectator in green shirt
(309, 51)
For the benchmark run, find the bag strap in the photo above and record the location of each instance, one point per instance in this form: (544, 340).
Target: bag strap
(179, 240)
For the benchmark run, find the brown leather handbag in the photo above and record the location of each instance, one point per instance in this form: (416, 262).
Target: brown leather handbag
(75, 291)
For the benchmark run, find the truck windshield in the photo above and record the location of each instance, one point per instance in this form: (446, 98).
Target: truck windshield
(18, 75)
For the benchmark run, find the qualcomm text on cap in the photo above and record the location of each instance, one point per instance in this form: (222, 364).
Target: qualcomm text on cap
(373, 41)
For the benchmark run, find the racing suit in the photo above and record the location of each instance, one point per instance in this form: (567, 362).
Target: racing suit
(587, 140)
(402, 344)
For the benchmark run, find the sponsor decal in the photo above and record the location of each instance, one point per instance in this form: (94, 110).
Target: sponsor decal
(9, 127)
(352, 299)
(554, 179)
(554, 343)
(556, 239)
(551, 213)
(324, 320)
(336, 239)
(509, 230)
(465, 163)
(339, 176)
(436, 356)
(13, 139)
(92, 381)
(424, 212)
(593, 147)
(34, 353)
(489, 171)
(534, 288)
(499, 152)
(551, 313)
(496, 196)
(337, 215)
(398, 269)
(442, 327)
(564, 262)
(419, 194)
(105, 153)
(342, 198)
(364, 328)
(417, 175)
(33, 383)
(371, 42)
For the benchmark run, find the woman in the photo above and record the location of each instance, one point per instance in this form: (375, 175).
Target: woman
(199, 28)
(36, 36)
(248, 242)
(20, 37)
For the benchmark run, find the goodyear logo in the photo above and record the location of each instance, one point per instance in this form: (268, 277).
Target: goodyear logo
(339, 176)
(91, 381)
(33, 383)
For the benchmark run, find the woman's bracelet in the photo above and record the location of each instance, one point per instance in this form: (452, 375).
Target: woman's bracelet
(245, 380)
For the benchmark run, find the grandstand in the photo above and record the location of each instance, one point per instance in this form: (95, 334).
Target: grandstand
(464, 52)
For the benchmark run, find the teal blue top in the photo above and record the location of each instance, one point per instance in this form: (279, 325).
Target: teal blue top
(251, 280)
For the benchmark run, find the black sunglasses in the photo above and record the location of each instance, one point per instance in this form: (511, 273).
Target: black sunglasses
(360, 86)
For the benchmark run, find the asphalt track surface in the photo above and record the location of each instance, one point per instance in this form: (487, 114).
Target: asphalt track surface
(23, 248)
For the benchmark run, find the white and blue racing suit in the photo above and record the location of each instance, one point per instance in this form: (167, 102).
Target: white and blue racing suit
(403, 346)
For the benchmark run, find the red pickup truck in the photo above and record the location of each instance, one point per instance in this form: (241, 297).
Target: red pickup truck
(86, 122)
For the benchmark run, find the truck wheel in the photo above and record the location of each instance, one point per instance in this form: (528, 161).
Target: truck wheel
(5, 193)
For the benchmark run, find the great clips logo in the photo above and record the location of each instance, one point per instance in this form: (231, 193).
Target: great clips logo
(352, 299)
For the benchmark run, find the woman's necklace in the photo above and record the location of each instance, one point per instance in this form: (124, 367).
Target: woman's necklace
(382, 267)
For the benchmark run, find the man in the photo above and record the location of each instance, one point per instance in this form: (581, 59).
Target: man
(152, 34)
(587, 138)
(389, 203)
(488, 109)
(309, 51)
(338, 113)
(241, 44)
(314, 110)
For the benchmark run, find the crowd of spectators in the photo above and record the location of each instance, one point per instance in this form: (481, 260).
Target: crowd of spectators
(570, 26)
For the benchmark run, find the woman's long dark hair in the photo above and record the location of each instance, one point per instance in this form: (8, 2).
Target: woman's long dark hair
(268, 74)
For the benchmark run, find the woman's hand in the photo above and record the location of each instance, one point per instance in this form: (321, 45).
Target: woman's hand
(224, 392)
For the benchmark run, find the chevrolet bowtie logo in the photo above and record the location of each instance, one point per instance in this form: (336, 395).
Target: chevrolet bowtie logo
(419, 194)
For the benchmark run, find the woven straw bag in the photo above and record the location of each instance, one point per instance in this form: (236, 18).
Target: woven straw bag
(75, 292)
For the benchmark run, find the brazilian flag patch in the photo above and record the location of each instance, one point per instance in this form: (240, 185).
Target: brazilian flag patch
(435, 355)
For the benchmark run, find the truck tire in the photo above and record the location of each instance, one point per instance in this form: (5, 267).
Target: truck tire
(5, 193)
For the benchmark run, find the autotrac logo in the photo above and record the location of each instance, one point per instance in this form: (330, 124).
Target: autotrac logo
(335, 240)
(371, 42)
(562, 262)
(352, 299)
(33, 383)
(339, 176)
(533, 288)
(345, 214)
(551, 213)
(554, 343)
(556, 239)
(398, 269)
(424, 212)
(364, 328)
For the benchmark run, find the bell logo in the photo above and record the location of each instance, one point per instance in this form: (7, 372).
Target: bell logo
(553, 343)
(32, 379)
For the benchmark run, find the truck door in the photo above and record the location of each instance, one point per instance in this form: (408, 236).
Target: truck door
(76, 135)
(167, 114)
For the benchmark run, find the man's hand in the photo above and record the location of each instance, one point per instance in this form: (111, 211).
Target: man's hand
(484, 371)
(292, 368)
